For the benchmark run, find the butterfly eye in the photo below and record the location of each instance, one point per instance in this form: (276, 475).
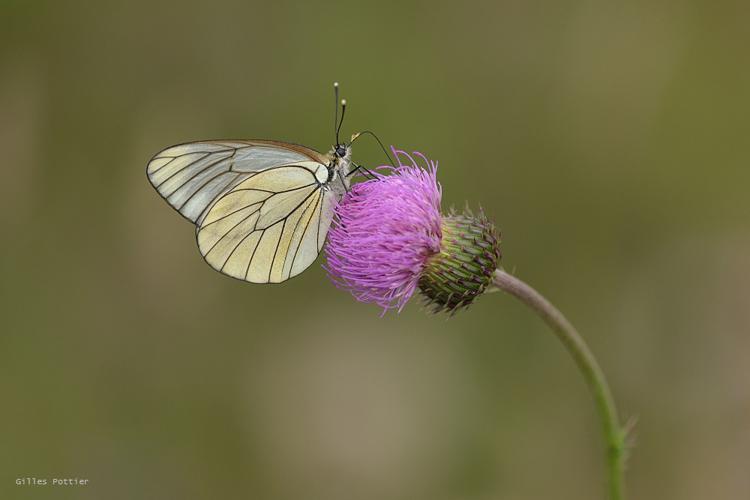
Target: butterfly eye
(340, 151)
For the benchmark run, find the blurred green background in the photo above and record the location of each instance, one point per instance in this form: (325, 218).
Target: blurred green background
(608, 140)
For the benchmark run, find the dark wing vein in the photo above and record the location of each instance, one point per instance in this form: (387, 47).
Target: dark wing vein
(230, 214)
(209, 181)
(242, 240)
(183, 168)
(260, 240)
(232, 229)
(278, 242)
(173, 158)
(296, 225)
(191, 152)
(252, 256)
(307, 224)
(201, 171)
(320, 217)
(288, 165)
(274, 192)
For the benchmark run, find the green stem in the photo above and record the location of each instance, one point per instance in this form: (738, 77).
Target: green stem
(613, 434)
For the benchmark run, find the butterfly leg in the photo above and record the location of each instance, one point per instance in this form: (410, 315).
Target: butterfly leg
(343, 184)
(366, 172)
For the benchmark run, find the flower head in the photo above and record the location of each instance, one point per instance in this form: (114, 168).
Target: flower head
(388, 239)
(384, 231)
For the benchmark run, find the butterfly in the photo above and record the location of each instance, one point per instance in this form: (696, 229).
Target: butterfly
(261, 208)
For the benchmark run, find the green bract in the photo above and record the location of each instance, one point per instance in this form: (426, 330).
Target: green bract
(464, 267)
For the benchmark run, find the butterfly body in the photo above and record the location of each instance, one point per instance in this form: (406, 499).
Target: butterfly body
(339, 168)
(262, 208)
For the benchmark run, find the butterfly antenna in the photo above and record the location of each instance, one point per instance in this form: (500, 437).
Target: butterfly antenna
(343, 111)
(335, 109)
(370, 132)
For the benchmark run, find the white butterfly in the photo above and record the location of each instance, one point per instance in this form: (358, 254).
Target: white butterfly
(262, 209)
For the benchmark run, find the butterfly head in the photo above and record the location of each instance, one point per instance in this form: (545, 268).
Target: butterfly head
(343, 151)
(340, 154)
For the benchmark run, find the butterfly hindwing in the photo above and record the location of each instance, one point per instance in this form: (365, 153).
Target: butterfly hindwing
(269, 227)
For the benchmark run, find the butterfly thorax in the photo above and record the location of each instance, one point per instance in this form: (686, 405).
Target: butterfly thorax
(339, 167)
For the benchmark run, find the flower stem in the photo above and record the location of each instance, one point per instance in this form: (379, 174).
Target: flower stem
(614, 435)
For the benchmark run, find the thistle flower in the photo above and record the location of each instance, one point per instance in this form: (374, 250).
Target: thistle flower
(389, 239)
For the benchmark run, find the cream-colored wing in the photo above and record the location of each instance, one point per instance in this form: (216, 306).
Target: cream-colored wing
(271, 226)
(192, 176)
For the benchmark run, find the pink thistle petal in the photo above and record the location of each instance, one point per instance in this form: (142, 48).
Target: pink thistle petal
(383, 232)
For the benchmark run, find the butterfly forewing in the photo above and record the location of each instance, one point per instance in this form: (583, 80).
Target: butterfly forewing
(192, 176)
